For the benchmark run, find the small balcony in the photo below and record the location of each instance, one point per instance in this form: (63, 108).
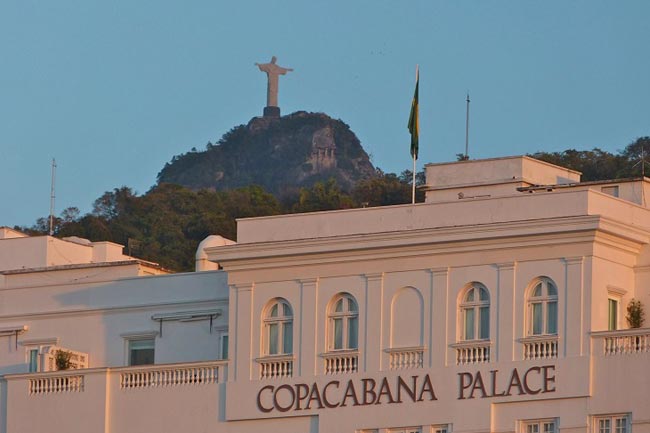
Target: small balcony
(622, 342)
(472, 352)
(540, 347)
(404, 358)
(275, 366)
(341, 362)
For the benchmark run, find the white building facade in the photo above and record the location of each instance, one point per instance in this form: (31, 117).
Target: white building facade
(498, 305)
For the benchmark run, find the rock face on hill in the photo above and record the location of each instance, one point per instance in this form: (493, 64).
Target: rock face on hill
(279, 154)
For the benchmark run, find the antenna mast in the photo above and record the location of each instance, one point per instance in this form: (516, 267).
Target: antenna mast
(642, 162)
(467, 129)
(52, 197)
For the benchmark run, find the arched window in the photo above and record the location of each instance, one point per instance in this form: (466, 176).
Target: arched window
(542, 308)
(278, 328)
(475, 313)
(343, 322)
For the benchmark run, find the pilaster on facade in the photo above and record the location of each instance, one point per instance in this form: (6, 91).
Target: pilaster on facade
(241, 333)
(440, 313)
(374, 357)
(506, 314)
(307, 334)
(573, 294)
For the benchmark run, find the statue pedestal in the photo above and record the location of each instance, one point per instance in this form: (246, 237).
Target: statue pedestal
(270, 111)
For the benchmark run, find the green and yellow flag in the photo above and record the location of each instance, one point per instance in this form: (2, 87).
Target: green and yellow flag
(414, 118)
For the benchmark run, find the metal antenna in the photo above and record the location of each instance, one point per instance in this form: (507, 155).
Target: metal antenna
(52, 197)
(467, 129)
(642, 161)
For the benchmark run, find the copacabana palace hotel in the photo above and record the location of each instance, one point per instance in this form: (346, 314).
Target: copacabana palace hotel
(499, 305)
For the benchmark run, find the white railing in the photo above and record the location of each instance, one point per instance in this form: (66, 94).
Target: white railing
(625, 342)
(77, 359)
(341, 362)
(540, 347)
(166, 376)
(276, 366)
(472, 352)
(56, 384)
(406, 357)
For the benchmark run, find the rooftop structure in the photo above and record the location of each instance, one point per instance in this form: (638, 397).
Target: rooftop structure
(20, 253)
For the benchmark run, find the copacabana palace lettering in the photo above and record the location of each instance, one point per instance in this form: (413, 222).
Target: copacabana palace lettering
(363, 392)
(533, 381)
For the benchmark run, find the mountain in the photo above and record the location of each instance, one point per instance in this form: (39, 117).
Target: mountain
(279, 154)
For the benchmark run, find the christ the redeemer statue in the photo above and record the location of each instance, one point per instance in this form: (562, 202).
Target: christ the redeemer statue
(272, 72)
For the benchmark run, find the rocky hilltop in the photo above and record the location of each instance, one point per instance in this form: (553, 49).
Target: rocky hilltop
(279, 154)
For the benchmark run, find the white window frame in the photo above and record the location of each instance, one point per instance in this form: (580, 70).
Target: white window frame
(612, 418)
(137, 336)
(405, 430)
(540, 424)
(441, 428)
(544, 300)
(475, 306)
(41, 346)
(617, 312)
(615, 294)
(346, 316)
(284, 325)
(224, 350)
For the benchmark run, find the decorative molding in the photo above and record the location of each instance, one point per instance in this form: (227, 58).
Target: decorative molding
(643, 268)
(139, 335)
(308, 281)
(378, 276)
(13, 330)
(439, 272)
(405, 349)
(573, 260)
(471, 343)
(617, 291)
(506, 266)
(243, 287)
(620, 332)
(275, 358)
(188, 316)
(52, 341)
(477, 237)
(93, 311)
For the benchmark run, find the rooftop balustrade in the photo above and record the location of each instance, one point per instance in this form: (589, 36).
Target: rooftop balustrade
(622, 342)
(472, 352)
(276, 366)
(540, 347)
(341, 362)
(404, 358)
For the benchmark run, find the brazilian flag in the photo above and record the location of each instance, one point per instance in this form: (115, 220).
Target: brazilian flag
(414, 118)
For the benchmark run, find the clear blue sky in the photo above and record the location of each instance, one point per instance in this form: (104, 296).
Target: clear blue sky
(113, 90)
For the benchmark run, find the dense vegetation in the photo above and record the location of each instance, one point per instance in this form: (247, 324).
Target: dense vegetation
(598, 164)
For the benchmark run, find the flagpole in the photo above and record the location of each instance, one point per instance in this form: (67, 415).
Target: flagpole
(417, 79)
(414, 128)
(413, 195)
(467, 129)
